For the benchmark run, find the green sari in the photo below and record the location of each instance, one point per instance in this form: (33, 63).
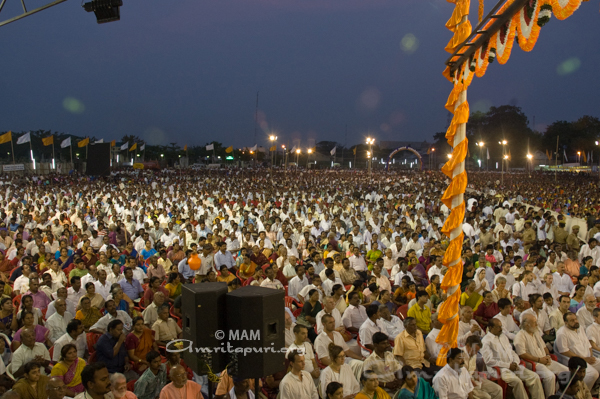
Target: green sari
(422, 391)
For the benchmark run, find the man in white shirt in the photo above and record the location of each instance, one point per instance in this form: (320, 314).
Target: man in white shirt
(370, 326)
(584, 314)
(298, 383)
(557, 316)
(526, 287)
(75, 335)
(102, 285)
(436, 268)
(330, 309)
(571, 341)
(433, 348)
(497, 352)
(111, 314)
(300, 344)
(57, 323)
(357, 262)
(593, 331)
(355, 315)
(530, 346)
(61, 293)
(29, 350)
(453, 380)
(296, 284)
(563, 281)
(510, 279)
(328, 336)
(467, 326)
(271, 281)
(316, 285)
(75, 291)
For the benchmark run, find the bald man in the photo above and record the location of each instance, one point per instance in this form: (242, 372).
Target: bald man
(180, 387)
(56, 388)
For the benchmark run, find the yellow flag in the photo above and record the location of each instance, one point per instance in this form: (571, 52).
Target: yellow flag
(48, 140)
(113, 143)
(133, 147)
(274, 148)
(5, 138)
(229, 149)
(185, 147)
(548, 155)
(584, 157)
(354, 150)
(83, 143)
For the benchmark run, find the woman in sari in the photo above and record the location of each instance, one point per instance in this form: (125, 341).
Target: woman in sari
(257, 257)
(418, 271)
(374, 254)
(88, 314)
(69, 369)
(8, 317)
(64, 260)
(96, 299)
(176, 254)
(371, 389)
(27, 304)
(247, 268)
(470, 297)
(148, 251)
(334, 390)
(89, 258)
(127, 252)
(486, 310)
(139, 342)
(577, 298)
(173, 285)
(42, 334)
(33, 384)
(311, 308)
(414, 387)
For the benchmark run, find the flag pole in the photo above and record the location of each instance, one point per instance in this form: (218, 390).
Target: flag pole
(71, 151)
(556, 164)
(52, 151)
(31, 150)
(12, 149)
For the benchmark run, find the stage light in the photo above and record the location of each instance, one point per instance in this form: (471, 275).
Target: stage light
(105, 10)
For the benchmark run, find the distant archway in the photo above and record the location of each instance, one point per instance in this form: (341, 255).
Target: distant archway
(387, 166)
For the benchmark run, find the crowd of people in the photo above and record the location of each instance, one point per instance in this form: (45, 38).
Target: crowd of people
(91, 276)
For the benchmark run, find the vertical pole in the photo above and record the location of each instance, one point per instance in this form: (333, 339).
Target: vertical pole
(52, 151)
(12, 149)
(556, 160)
(31, 150)
(71, 151)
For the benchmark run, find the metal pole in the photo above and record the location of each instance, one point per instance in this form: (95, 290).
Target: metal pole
(12, 148)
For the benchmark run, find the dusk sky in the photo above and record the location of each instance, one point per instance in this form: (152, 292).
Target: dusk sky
(188, 71)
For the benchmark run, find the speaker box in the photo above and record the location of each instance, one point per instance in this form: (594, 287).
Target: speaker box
(256, 331)
(98, 160)
(203, 310)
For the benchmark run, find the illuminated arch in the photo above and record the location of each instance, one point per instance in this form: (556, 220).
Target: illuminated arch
(406, 148)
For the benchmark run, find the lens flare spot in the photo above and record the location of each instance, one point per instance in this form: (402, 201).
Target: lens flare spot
(409, 43)
(73, 105)
(154, 136)
(369, 99)
(569, 66)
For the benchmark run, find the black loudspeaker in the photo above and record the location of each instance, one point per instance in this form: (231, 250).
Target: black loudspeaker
(256, 331)
(203, 310)
(98, 160)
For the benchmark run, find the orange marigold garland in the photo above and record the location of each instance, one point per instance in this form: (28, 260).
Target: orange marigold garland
(563, 9)
(482, 59)
(528, 28)
(505, 39)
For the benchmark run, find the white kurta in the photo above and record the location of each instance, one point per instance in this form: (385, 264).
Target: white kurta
(450, 384)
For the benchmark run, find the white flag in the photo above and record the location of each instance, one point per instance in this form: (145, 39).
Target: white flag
(565, 154)
(332, 152)
(65, 143)
(143, 147)
(254, 148)
(488, 153)
(125, 146)
(99, 141)
(294, 149)
(210, 147)
(26, 138)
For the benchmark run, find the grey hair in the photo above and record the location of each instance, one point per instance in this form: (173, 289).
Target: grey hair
(500, 279)
(408, 320)
(527, 317)
(117, 377)
(464, 309)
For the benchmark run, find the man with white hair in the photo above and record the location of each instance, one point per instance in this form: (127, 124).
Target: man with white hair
(593, 331)
(118, 386)
(584, 314)
(467, 326)
(530, 346)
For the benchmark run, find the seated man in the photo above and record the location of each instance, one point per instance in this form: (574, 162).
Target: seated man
(303, 345)
(392, 323)
(421, 312)
(40, 299)
(571, 341)
(433, 348)
(482, 387)
(355, 315)
(75, 335)
(180, 387)
(111, 350)
(467, 326)
(371, 326)
(57, 323)
(29, 350)
(557, 315)
(165, 328)
(111, 314)
(509, 327)
(153, 380)
(497, 352)
(96, 382)
(150, 314)
(530, 346)
(453, 380)
(328, 336)
(297, 383)
(330, 309)
(383, 363)
(61, 293)
(409, 348)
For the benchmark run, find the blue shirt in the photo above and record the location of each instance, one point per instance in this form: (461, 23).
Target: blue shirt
(104, 351)
(133, 289)
(224, 259)
(185, 269)
(69, 253)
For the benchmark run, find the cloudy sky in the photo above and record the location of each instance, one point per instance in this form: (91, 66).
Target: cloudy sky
(187, 71)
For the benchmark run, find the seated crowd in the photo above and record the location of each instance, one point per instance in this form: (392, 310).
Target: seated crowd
(92, 293)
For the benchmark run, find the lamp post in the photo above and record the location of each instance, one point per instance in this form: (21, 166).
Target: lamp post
(297, 157)
(480, 145)
(284, 156)
(370, 142)
(504, 157)
(432, 159)
(273, 139)
(579, 157)
(530, 162)
(308, 157)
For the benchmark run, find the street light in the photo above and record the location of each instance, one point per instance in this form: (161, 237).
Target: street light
(529, 159)
(308, 157)
(579, 157)
(480, 145)
(449, 156)
(273, 153)
(504, 156)
(298, 151)
(370, 142)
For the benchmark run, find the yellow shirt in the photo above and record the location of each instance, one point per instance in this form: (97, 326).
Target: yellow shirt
(422, 316)
(412, 349)
(227, 279)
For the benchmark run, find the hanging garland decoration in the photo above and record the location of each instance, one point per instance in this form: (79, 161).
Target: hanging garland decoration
(505, 39)
(527, 25)
(563, 9)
